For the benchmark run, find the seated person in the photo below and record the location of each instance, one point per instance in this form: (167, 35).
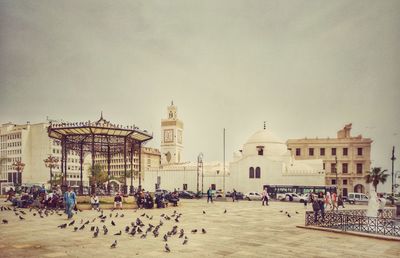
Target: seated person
(118, 201)
(149, 204)
(174, 198)
(94, 201)
(160, 201)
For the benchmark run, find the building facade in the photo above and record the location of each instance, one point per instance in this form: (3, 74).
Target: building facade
(30, 144)
(351, 156)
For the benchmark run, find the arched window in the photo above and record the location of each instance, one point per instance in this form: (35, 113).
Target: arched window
(258, 172)
(251, 172)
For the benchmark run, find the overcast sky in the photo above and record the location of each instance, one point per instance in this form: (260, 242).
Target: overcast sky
(305, 67)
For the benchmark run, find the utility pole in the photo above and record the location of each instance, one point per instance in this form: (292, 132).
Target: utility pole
(224, 162)
(337, 183)
(393, 159)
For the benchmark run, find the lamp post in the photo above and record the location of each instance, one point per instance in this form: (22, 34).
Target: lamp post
(199, 161)
(393, 158)
(19, 167)
(51, 163)
(337, 183)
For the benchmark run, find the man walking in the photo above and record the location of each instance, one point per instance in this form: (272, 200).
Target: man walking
(69, 201)
(209, 195)
(234, 195)
(265, 197)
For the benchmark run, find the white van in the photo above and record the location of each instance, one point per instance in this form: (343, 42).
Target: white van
(357, 197)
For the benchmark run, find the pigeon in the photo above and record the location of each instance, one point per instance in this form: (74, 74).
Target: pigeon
(21, 218)
(143, 215)
(162, 215)
(185, 241)
(194, 231)
(127, 229)
(122, 215)
(203, 231)
(225, 211)
(110, 215)
(95, 234)
(71, 223)
(114, 244)
(116, 215)
(105, 231)
(281, 211)
(176, 219)
(204, 212)
(34, 214)
(139, 230)
(75, 229)
(167, 248)
(165, 238)
(92, 228)
(93, 220)
(23, 212)
(87, 222)
(143, 236)
(5, 221)
(118, 234)
(151, 217)
(297, 212)
(112, 223)
(133, 232)
(289, 215)
(63, 225)
(82, 227)
(181, 233)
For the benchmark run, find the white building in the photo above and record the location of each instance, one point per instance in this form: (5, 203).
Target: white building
(265, 160)
(30, 144)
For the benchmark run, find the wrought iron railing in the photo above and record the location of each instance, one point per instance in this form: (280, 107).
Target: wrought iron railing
(356, 220)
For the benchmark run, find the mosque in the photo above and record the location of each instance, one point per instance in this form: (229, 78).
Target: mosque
(263, 160)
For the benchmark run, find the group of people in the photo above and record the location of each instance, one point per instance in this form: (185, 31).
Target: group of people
(36, 196)
(321, 202)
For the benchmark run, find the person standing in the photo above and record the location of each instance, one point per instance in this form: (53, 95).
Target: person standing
(265, 197)
(321, 203)
(334, 201)
(209, 195)
(340, 201)
(233, 195)
(70, 201)
(382, 204)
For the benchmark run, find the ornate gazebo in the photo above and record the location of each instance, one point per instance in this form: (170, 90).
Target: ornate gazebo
(99, 138)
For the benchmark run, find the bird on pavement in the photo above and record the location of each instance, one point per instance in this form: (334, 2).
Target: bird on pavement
(182, 232)
(143, 236)
(204, 212)
(95, 234)
(5, 221)
(225, 211)
(82, 227)
(112, 223)
(75, 229)
(194, 231)
(289, 215)
(167, 248)
(114, 244)
(118, 234)
(203, 231)
(185, 241)
(21, 218)
(127, 229)
(92, 228)
(297, 212)
(71, 223)
(165, 237)
(63, 225)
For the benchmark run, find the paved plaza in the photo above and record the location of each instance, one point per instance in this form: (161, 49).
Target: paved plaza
(247, 229)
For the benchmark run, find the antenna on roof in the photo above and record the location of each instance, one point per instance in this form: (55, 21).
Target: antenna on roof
(101, 115)
(265, 125)
(172, 102)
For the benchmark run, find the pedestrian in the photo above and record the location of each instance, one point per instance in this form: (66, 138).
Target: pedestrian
(234, 195)
(94, 201)
(118, 201)
(70, 201)
(265, 197)
(209, 195)
(328, 200)
(340, 201)
(334, 201)
(315, 206)
(381, 207)
(321, 203)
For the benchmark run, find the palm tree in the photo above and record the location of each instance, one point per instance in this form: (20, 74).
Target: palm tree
(376, 176)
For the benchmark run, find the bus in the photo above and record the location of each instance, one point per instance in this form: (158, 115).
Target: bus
(274, 190)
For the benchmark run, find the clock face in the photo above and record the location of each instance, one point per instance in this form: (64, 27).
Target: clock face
(169, 135)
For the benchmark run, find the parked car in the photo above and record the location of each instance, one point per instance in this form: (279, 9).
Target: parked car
(161, 191)
(186, 195)
(292, 197)
(252, 196)
(357, 197)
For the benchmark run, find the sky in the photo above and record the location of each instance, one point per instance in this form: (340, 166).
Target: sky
(307, 68)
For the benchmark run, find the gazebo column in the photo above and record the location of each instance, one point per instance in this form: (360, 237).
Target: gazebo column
(81, 168)
(93, 186)
(66, 165)
(132, 150)
(140, 166)
(62, 164)
(108, 168)
(125, 185)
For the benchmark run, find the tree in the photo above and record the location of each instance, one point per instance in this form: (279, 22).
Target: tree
(376, 176)
(99, 176)
(57, 179)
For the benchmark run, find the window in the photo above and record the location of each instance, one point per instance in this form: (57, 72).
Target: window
(251, 172)
(184, 187)
(298, 151)
(322, 151)
(213, 187)
(333, 151)
(323, 165)
(258, 172)
(345, 151)
(333, 182)
(333, 166)
(359, 151)
(311, 151)
(260, 150)
(344, 181)
(359, 168)
(345, 168)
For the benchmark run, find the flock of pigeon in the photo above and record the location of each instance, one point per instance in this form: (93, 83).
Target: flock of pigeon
(138, 228)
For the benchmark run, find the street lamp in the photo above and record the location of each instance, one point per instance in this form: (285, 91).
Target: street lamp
(393, 158)
(199, 161)
(19, 167)
(51, 162)
(337, 183)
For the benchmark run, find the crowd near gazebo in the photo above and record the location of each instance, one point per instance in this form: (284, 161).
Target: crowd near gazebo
(101, 138)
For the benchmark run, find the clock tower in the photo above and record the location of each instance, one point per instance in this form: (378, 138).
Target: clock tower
(171, 137)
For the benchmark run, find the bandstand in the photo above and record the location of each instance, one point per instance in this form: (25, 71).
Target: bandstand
(99, 138)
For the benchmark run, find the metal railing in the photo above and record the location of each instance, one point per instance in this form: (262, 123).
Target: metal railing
(356, 220)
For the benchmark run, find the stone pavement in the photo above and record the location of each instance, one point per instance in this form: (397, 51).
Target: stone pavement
(246, 230)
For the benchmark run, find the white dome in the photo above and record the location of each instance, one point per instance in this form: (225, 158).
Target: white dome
(272, 145)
